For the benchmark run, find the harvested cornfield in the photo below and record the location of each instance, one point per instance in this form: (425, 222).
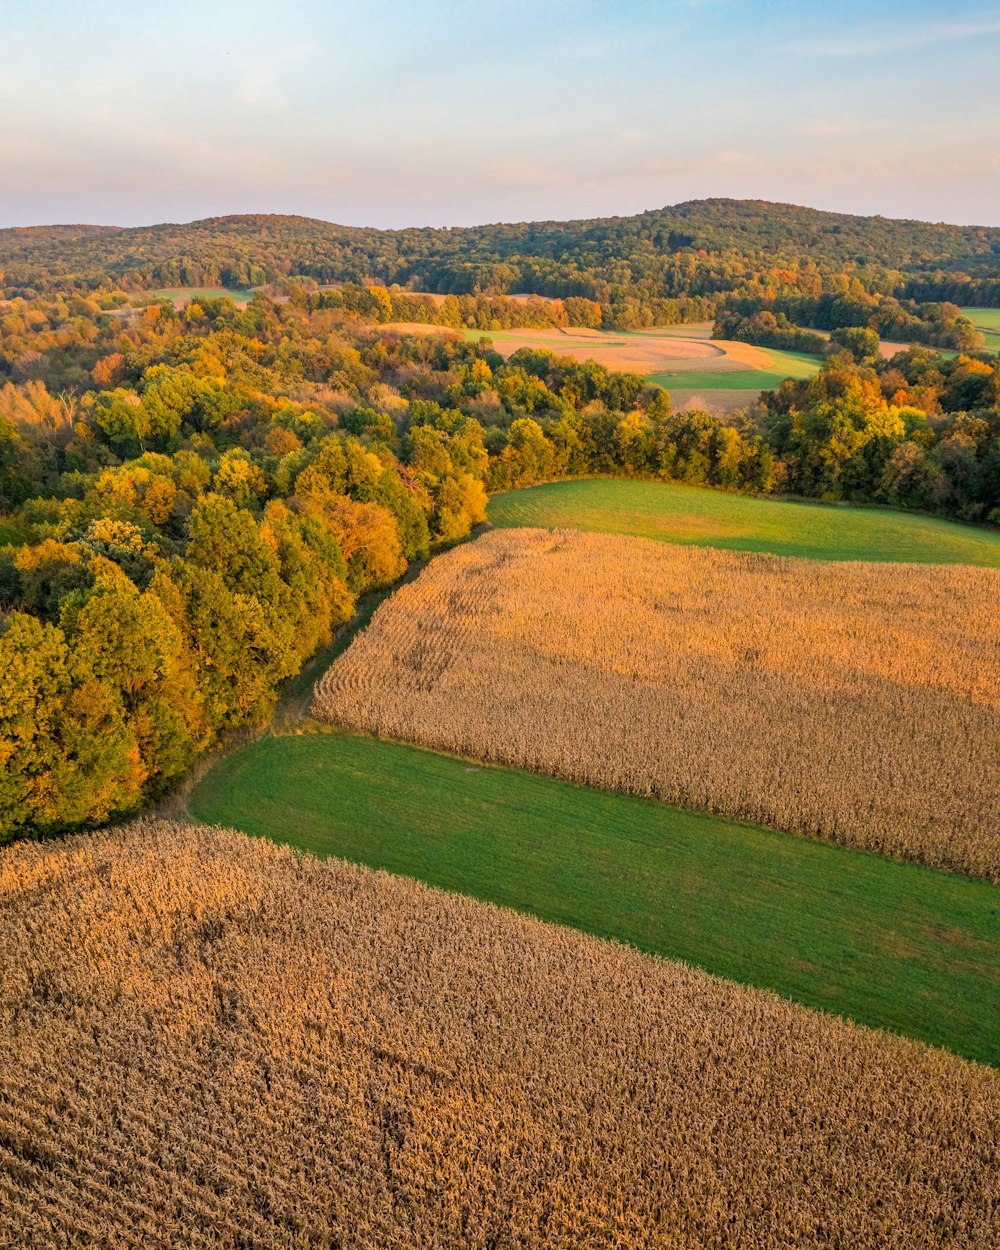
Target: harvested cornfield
(210, 1041)
(854, 702)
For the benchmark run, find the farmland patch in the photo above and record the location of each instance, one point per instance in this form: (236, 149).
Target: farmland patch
(899, 946)
(672, 512)
(210, 1041)
(853, 702)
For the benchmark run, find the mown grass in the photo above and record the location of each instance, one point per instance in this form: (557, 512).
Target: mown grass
(986, 320)
(686, 514)
(783, 365)
(183, 292)
(753, 381)
(988, 317)
(892, 945)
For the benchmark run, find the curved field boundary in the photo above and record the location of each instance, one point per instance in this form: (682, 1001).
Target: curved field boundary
(670, 512)
(213, 1043)
(987, 322)
(897, 946)
(854, 702)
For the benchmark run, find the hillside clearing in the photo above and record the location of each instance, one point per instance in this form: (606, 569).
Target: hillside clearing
(672, 357)
(987, 322)
(691, 515)
(720, 403)
(853, 702)
(893, 945)
(213, 1042)
(181, 296)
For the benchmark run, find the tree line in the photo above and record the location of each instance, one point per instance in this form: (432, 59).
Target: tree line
(785, 317)
(742, 248)
(192, 502)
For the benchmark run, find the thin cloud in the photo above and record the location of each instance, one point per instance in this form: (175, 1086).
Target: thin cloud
(871, 41)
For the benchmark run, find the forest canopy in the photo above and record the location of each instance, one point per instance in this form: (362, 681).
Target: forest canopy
(193, 499)
(713, 247)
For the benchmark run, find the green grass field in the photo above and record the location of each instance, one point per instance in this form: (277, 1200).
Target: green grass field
(706, 518)
(752, 381)
(783, 365)
(988, 321)
(893, 945)
(185, 292)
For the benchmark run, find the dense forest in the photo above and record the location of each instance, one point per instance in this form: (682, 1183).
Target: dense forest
(712, 248)
(191, 501)
(779, 321)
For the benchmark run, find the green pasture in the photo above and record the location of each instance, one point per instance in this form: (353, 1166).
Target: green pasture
(988, 321)
(705, 518)
(892, 945)
(783, 365)
(752, 381)
(987, 318)
(793, 364)
(195, 293)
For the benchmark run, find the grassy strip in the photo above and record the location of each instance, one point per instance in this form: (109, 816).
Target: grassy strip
(793, 364)
(987, 321)
(685, 514)
(196, 293)
(891, 945)
(751, 380)
(984, 318)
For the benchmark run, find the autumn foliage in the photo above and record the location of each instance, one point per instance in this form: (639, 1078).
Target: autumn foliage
(848, 701)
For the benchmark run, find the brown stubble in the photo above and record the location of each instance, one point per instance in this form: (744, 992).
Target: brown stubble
(215, 1042)
(847, 701)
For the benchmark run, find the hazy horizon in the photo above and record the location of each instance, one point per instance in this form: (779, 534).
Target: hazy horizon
(455, 115)
(509, 221)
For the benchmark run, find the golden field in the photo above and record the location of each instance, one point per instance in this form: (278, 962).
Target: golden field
(848, 701)
(214, 1042)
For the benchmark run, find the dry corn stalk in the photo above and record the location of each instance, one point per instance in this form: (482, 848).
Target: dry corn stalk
(213, 1042)
(848, 701)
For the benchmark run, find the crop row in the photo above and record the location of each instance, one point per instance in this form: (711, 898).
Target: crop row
(853, 702)
(210, 1041)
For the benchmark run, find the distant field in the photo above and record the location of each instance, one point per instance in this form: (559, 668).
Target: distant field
(750, 382)
(719, 374)
(894, 945)
(706, 518)
(987, 320)
(649, 352)
(989, 317)
(705, 398)
(781, 365)
(854, 702)
(186, 294)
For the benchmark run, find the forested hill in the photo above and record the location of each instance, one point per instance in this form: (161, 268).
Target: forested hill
(747, 248)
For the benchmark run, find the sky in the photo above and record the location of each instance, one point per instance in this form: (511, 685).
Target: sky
(390, 113)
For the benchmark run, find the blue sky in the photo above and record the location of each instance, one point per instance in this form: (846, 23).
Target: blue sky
(439, 113)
